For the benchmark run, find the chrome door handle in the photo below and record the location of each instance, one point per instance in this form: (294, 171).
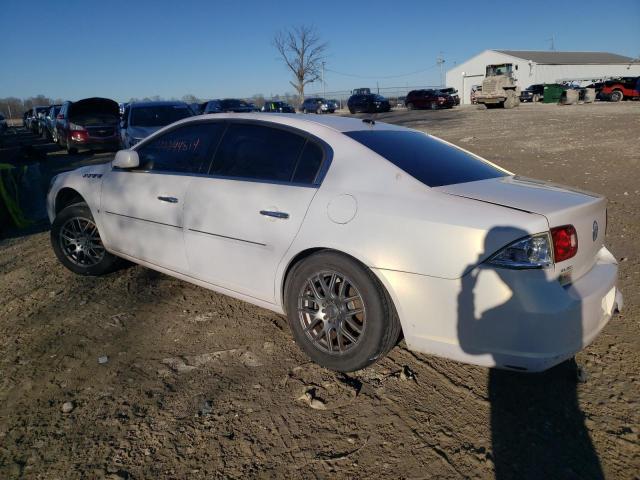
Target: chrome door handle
(168, 199)
(269, 213)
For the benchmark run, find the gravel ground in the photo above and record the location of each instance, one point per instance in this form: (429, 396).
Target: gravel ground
(137, 375)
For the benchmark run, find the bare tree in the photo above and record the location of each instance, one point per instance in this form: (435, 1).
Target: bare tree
(302, 51)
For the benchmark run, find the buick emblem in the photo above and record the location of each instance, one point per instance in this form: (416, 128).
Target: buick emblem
(595, 230)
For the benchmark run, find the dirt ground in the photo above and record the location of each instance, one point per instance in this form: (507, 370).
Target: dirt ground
(198, 385)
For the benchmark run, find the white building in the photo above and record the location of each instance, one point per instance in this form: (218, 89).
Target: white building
(541, 67)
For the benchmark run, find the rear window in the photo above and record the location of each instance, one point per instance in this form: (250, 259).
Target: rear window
(158, 115)
(428, 160)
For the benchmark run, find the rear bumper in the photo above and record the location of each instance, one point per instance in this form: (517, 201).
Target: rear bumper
(111, 143)
(513, 319)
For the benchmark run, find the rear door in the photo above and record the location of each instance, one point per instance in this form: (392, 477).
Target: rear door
(242, 218)
(143, 208)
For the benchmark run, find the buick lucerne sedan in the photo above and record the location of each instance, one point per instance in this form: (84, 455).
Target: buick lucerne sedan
(359, 232)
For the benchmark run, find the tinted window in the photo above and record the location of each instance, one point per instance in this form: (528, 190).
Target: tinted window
(309, 164)
(183, 150)
(257, 152)
(431, 161)
(158, 115)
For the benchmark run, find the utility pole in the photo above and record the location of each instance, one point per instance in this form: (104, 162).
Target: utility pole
(324, 90)
(440, 62)
(552, 45)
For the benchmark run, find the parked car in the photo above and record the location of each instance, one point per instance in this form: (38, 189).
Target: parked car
(36, 120)
(235, 105)
(92, 124)
(453, 92)
(141, 119)
(619, 89)
(520, 279)
(428, 98)
(278, 107)
(212, 106)
(48, 126)
(316, 105)
(368, 103)
(533, 93)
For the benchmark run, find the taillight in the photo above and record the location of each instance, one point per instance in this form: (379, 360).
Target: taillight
(565, 242)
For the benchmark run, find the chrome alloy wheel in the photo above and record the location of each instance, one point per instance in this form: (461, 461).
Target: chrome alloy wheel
(331, 312)
(80, 242)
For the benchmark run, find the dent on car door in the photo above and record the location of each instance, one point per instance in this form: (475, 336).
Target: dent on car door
(240, 221)
(143, 207)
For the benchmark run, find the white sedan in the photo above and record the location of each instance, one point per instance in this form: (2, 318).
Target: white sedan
(360, 232)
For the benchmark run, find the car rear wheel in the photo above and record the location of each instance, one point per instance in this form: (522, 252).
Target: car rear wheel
(77, 244)
(536, 98)
(616, 96)
(433, 106)
(339, 313)
(304, 110)
(352, 111)
(410, 106)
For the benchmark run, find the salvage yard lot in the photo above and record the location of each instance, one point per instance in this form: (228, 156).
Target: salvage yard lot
(198, 385)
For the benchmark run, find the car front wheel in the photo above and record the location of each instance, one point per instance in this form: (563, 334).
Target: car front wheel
(340, 314)
(77, 244)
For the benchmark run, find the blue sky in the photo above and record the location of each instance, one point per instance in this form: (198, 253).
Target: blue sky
(121, 49)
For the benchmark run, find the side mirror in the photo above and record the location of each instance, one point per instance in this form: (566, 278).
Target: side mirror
(126, 159)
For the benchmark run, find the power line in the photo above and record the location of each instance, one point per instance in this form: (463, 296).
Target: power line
(381, 76)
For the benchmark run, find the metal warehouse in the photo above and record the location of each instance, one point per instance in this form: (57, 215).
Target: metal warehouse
(531, 67)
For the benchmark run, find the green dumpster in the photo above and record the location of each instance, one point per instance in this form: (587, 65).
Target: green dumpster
(552, 92)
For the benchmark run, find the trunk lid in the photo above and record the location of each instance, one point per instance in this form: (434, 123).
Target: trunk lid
(94, 112)
(560, 205)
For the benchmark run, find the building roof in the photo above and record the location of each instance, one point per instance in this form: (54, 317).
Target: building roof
(568, 58)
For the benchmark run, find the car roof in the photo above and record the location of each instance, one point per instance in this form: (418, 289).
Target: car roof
(333, 122)
(157, 104)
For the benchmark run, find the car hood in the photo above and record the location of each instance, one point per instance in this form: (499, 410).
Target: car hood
(94, 105)
(141, 132)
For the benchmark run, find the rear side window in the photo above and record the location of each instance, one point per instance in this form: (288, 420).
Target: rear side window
(186, 149)
(309, 164)
(428, 160)
(257, 152)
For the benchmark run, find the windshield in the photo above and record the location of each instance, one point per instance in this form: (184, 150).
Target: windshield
(427, 159)
(158, 116)
(493, 70)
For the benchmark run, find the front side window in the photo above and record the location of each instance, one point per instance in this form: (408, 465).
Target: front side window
(425, 158)
(257, 152)
(186, 149)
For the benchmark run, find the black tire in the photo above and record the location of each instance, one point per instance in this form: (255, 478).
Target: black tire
(304, 110)
(380, 326)
(410, 106)
(352, 111)
(433, 106)
(616, 96)
(69, 215)
(71, 150)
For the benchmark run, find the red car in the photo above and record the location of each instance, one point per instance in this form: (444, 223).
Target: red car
(621, 88)
(433, 99)
(90, 124)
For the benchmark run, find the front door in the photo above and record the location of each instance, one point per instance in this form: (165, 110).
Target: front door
(142, 208)
(240, 221)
